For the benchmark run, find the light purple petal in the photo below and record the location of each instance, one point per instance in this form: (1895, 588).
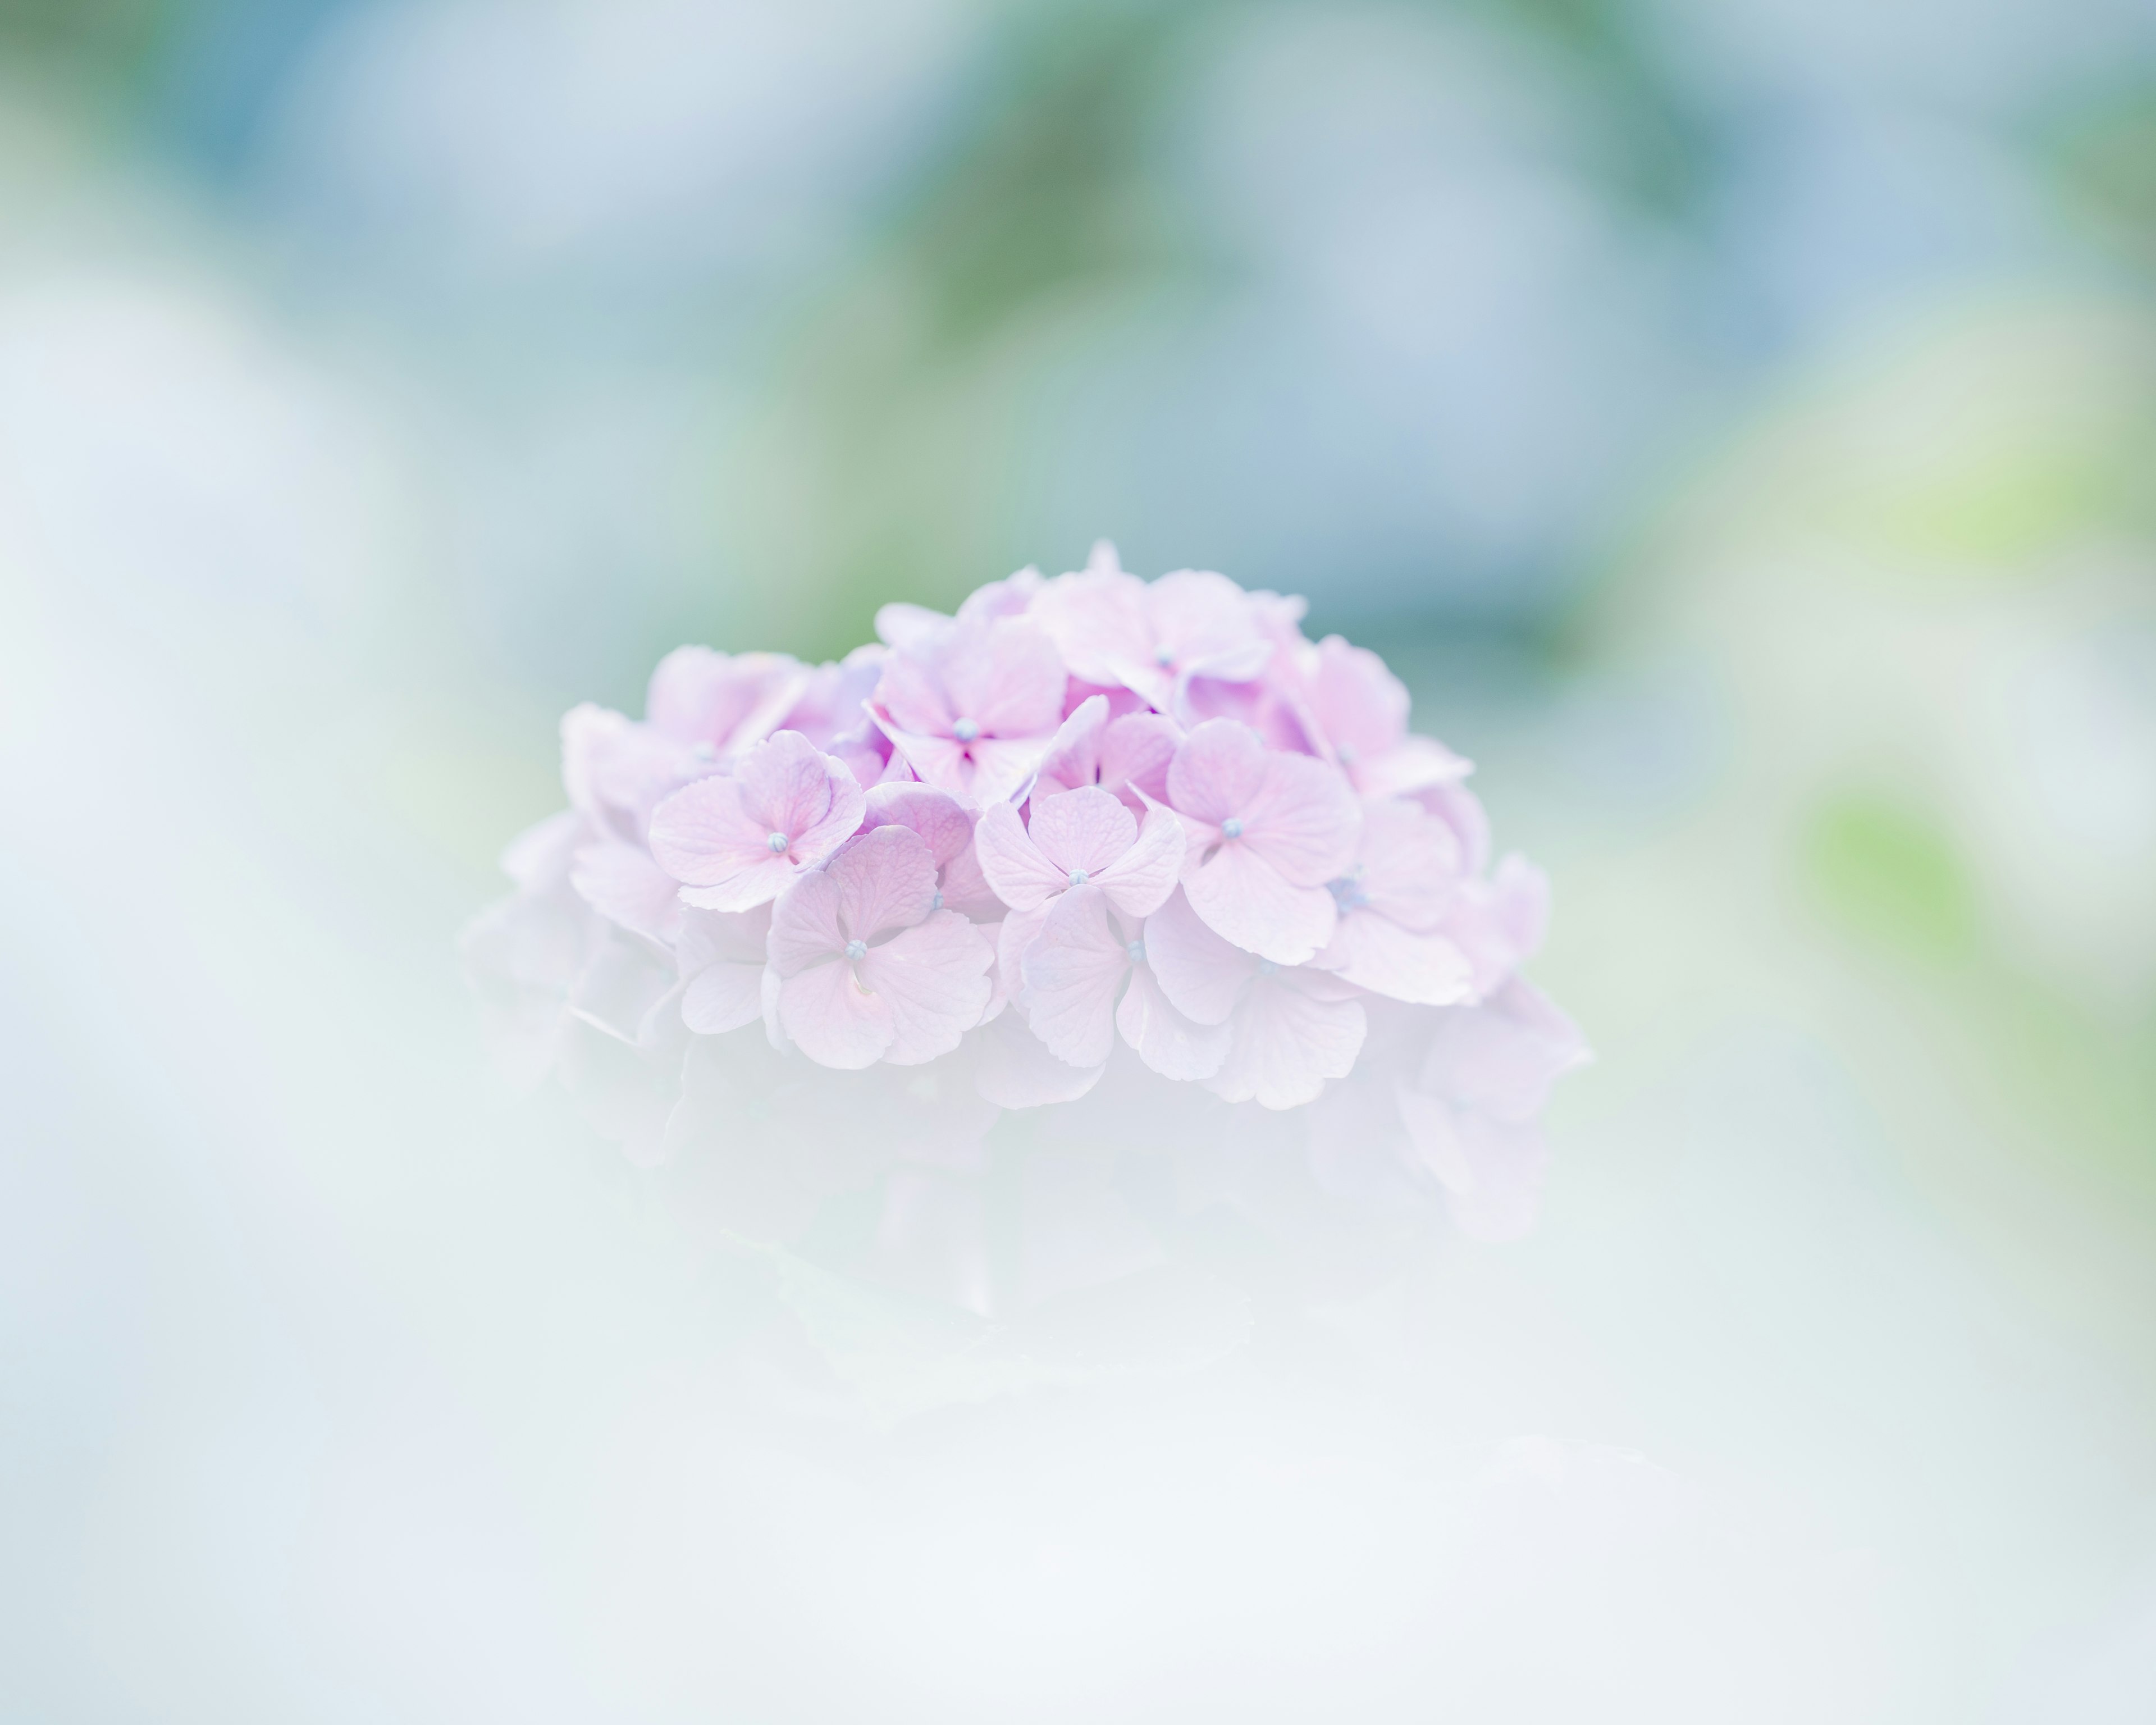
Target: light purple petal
(1135, 754)
(1073, 756)
(934, 979)
(912, 695)
(944, 823)
(1014, 935)
(724, 700)
(1361, 707)
(1001, 767)
(623, 884)
(833, 1020)
(1012, 862)
(1417, 763)
(703, 836)
(1243, 899)
(1305, 820)
(1098, 622)
(1374, 952)
(1007, 678)
(1165, 1040)
(1287, 1044)
(885, 880)
(1014, 1071)
(1085, 829)
(1074, 971)
(1217, 773)
(935, 760)
(1202, 975)
(1141, 879)
(723, 997)
(804, 924)
(1198, 614)
(715, 937)
(1409, 865)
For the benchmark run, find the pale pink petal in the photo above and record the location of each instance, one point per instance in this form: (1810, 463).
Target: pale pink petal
(1074, 971)
(1305, 820)
(1135, 752)
(715, 937)
(545, 849)
(913, 695)
(724, 700)
(623, 884)
(804, 924)
(887, 880)
(789, 786)
(937, 760)
(1243, 899)
(1012, 862)
(1416, 763)
(909, 629)
(1362, 705)
(1374, 952)
(1081, 831)
(1011, 597)
(1165, 1040)
(1073, 756)
(1198, 614)
(622, 989)
(1001, 766)
(1501, 1058)
(1014, 1070)
(1218, 772)
(967, 891)
(934, 979)
(703, 837)
(1141, 879)
(833, 1020)
(1287, 1044)
(1409, 865)
(1202, 975)
(1014, 935)
(943, 823)
(1098, 622)
(723, 997)
(1007, 678)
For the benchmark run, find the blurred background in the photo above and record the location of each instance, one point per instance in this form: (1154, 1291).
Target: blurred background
(1737, 420)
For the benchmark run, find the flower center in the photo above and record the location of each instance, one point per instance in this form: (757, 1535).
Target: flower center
(936, 902)
(857, 950)
(1136, 951)
(1077, 877)
(1163, 657)
(965, 729)
(778, 842)
(704, 752)
(1348, 891)
(1231, 828)
(1346, 752)
(1266, 966)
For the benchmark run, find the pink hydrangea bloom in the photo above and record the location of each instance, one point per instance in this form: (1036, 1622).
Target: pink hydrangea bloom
(1076, 813)
(864, 968)
(736, 843)
(974, 707)
(1392, 903)
(1292, 1029)
(1117, 631)
(1267, 831)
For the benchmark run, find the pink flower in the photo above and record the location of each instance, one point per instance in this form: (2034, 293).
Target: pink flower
(1124, 755)
(1471, 1109)
(1360, 711)
(617, 771)
(722, 703)
(737, 842)
(1117, 631)
(863, 967)
(915, 627)
(1498, 923)
(973, 709)
(1076, 837)
(1086, 978)
(1392, 903)
(1267, 831)
(721, 956)
(945, 826)
(1291, 1029)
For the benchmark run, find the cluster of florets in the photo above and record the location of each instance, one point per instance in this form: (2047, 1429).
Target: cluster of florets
(1087, 820)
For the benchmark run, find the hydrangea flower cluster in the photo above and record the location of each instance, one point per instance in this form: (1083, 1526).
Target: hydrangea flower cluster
(1088, 821)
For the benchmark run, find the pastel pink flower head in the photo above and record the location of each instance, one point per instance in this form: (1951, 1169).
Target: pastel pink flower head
(737, 843)
(974, 710)
(720, 703)
(1125, 755)
(945, 826)
(863, 967)
(1085, 980)
(1267, 831)
(1117, 631)
(1389, 938)
(1291, 1029)
(1359, 710)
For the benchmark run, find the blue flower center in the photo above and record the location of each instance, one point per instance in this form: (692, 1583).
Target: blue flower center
(857, 949)
(1231, 828)
(965, 729)
(1266, 966)
(1348, 891)
(1077, 877)
(1137, 951)
(778, 842)
(1163, 657)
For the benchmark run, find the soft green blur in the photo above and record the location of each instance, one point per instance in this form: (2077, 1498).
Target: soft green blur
(1738, 423)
